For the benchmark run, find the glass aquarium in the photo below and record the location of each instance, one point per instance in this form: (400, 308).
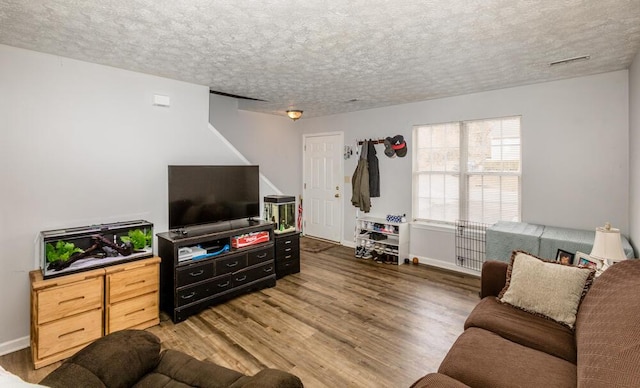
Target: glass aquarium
(281, 210)
(77, 249)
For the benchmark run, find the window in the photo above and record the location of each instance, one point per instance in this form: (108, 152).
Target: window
(467, 170)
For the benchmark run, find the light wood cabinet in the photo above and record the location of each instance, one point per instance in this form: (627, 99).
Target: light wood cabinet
(66, 314)
(132, 299)
(71, 311)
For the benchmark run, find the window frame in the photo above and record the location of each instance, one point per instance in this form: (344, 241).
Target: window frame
(463, 174)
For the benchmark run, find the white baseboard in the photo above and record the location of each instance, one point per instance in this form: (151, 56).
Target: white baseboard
(14, 345)
(445, 265)
(349, 244)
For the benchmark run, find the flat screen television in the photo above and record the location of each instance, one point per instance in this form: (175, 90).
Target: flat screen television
(209, 194)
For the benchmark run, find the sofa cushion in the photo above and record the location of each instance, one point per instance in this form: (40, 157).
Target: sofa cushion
(117, 360)
(480, 358)
(269, 378)
(546, 288)
(608, 329)
(179, 370)
(523, 328)
(438, 380)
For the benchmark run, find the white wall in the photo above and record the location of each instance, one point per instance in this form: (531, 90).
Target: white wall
(82, 144)
(574, 150)
(634, 156)
(272, 142)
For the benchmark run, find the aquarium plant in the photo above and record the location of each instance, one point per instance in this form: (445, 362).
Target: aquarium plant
(138, 238)
(62, 251)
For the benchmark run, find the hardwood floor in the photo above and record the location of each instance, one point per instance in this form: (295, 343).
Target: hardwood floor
(340, 322)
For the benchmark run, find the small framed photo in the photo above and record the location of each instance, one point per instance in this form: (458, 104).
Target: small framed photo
(564, 257)
(584, 260)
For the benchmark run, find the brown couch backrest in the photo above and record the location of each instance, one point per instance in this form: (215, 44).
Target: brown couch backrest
(608, 329)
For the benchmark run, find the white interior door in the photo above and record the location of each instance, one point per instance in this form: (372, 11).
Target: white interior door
(323, 186)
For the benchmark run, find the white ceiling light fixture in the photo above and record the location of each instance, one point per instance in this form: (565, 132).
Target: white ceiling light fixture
(294, 114)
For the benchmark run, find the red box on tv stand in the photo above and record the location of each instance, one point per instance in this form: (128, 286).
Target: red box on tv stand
(250, 239)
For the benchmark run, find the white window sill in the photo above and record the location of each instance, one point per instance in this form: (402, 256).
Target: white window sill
(434, 226)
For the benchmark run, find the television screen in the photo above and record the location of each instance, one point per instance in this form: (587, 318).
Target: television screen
(208, 194)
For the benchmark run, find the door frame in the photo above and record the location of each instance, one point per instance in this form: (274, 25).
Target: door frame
(342, 183)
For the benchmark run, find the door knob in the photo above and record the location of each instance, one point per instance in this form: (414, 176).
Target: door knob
(337, 195)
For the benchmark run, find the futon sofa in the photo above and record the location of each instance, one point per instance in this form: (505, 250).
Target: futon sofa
(132, 358)
(505, 346)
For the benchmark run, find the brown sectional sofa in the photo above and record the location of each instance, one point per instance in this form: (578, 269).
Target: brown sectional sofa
(132, 358)
(502, 346)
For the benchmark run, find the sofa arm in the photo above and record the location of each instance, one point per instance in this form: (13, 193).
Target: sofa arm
(119, 359)
(270, 378)
(438, 380)
(493, 278)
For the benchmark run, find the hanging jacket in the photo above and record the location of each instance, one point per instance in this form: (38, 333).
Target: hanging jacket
(374, 171)
(360, 182)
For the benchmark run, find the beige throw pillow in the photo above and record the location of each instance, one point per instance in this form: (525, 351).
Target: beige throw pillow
(546, 288)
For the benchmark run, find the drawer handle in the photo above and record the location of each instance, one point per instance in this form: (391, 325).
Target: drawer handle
(223, 285)
(70, 333)
(288, 249)
(241, 279)
(134, 312)
(231, 265)
(288, 242)
(270, 269)
(288, 264)
(191, 295)
(196, 273)
(134, 283)
(262, 256)
(71, 300)
(288, 257)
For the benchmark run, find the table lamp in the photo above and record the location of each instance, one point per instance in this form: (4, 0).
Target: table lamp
(607, 245)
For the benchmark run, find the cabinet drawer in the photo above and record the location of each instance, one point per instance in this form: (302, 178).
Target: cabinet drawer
(64, 301)
(259, 256)
(194, 273)
(251, 274)
(66, 333)
(291, 266)
(193, 294)
(132, 312)
(283, 243)
(231, 264)
(132, 282)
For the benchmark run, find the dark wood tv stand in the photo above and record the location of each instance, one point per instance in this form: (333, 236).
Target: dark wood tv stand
(191, 285)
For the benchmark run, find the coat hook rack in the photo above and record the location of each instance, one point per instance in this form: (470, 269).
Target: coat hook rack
(374, 141)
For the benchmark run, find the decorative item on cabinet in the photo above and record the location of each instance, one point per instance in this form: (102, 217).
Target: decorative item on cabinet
(281, 210)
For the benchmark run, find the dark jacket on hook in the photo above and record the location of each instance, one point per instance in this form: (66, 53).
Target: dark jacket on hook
(374, 171)
(360, 182)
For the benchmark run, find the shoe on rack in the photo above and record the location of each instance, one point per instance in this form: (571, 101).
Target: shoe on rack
(359, 251)
(367, 255)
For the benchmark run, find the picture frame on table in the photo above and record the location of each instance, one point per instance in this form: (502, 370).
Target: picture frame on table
(564, 257)
(584, 260)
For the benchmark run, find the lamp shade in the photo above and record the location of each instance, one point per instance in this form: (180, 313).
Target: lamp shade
(608, 244)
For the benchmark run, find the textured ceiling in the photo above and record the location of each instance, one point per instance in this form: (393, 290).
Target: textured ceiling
(319, 55)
